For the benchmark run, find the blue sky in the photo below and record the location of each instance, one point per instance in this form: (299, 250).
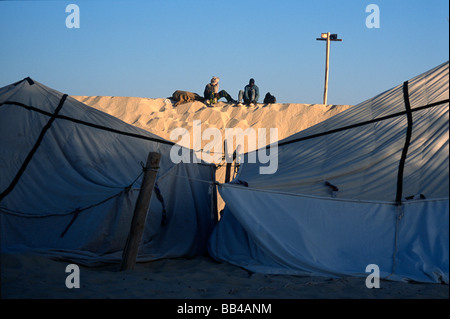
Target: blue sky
(152, 48)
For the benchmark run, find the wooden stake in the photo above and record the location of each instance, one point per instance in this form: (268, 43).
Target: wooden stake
(229, 161)
(227, 172)
(140, 212)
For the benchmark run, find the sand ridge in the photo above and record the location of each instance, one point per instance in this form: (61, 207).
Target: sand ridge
(159, 116)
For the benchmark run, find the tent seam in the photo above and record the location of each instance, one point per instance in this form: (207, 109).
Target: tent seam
(33, 150)
(398, 198)
(362, 123)
(63, 117)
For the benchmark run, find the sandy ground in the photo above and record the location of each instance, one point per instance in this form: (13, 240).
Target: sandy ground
(31, 276)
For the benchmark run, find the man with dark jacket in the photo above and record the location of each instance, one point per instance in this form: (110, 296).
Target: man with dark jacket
(250, 94)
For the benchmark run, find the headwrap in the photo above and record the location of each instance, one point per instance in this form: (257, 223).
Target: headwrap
(214, 80)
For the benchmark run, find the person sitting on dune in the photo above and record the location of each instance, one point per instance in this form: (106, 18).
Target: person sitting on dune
(250, 94)
(212, 94)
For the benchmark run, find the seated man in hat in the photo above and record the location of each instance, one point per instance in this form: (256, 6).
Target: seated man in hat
(250, 94)
(212, 93)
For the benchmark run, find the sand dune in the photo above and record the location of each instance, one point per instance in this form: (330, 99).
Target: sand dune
(161, 117)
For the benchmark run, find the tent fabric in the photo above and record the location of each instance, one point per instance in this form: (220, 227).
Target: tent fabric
(311, 235)
(292, 222)
(363, 162)
(76, 196)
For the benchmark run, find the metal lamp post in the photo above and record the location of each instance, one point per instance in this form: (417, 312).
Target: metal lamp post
(327, 37)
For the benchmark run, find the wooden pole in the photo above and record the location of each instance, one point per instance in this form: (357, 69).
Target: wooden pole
(227, 160)
(227, 172)
(140, 212)
(327, 63)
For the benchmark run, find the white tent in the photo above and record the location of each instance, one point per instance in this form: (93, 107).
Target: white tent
(367, 186)
(70, 176)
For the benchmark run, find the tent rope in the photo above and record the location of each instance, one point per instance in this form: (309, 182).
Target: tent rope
(125, 190)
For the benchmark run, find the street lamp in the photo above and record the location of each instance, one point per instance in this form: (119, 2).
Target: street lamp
(327, 37)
